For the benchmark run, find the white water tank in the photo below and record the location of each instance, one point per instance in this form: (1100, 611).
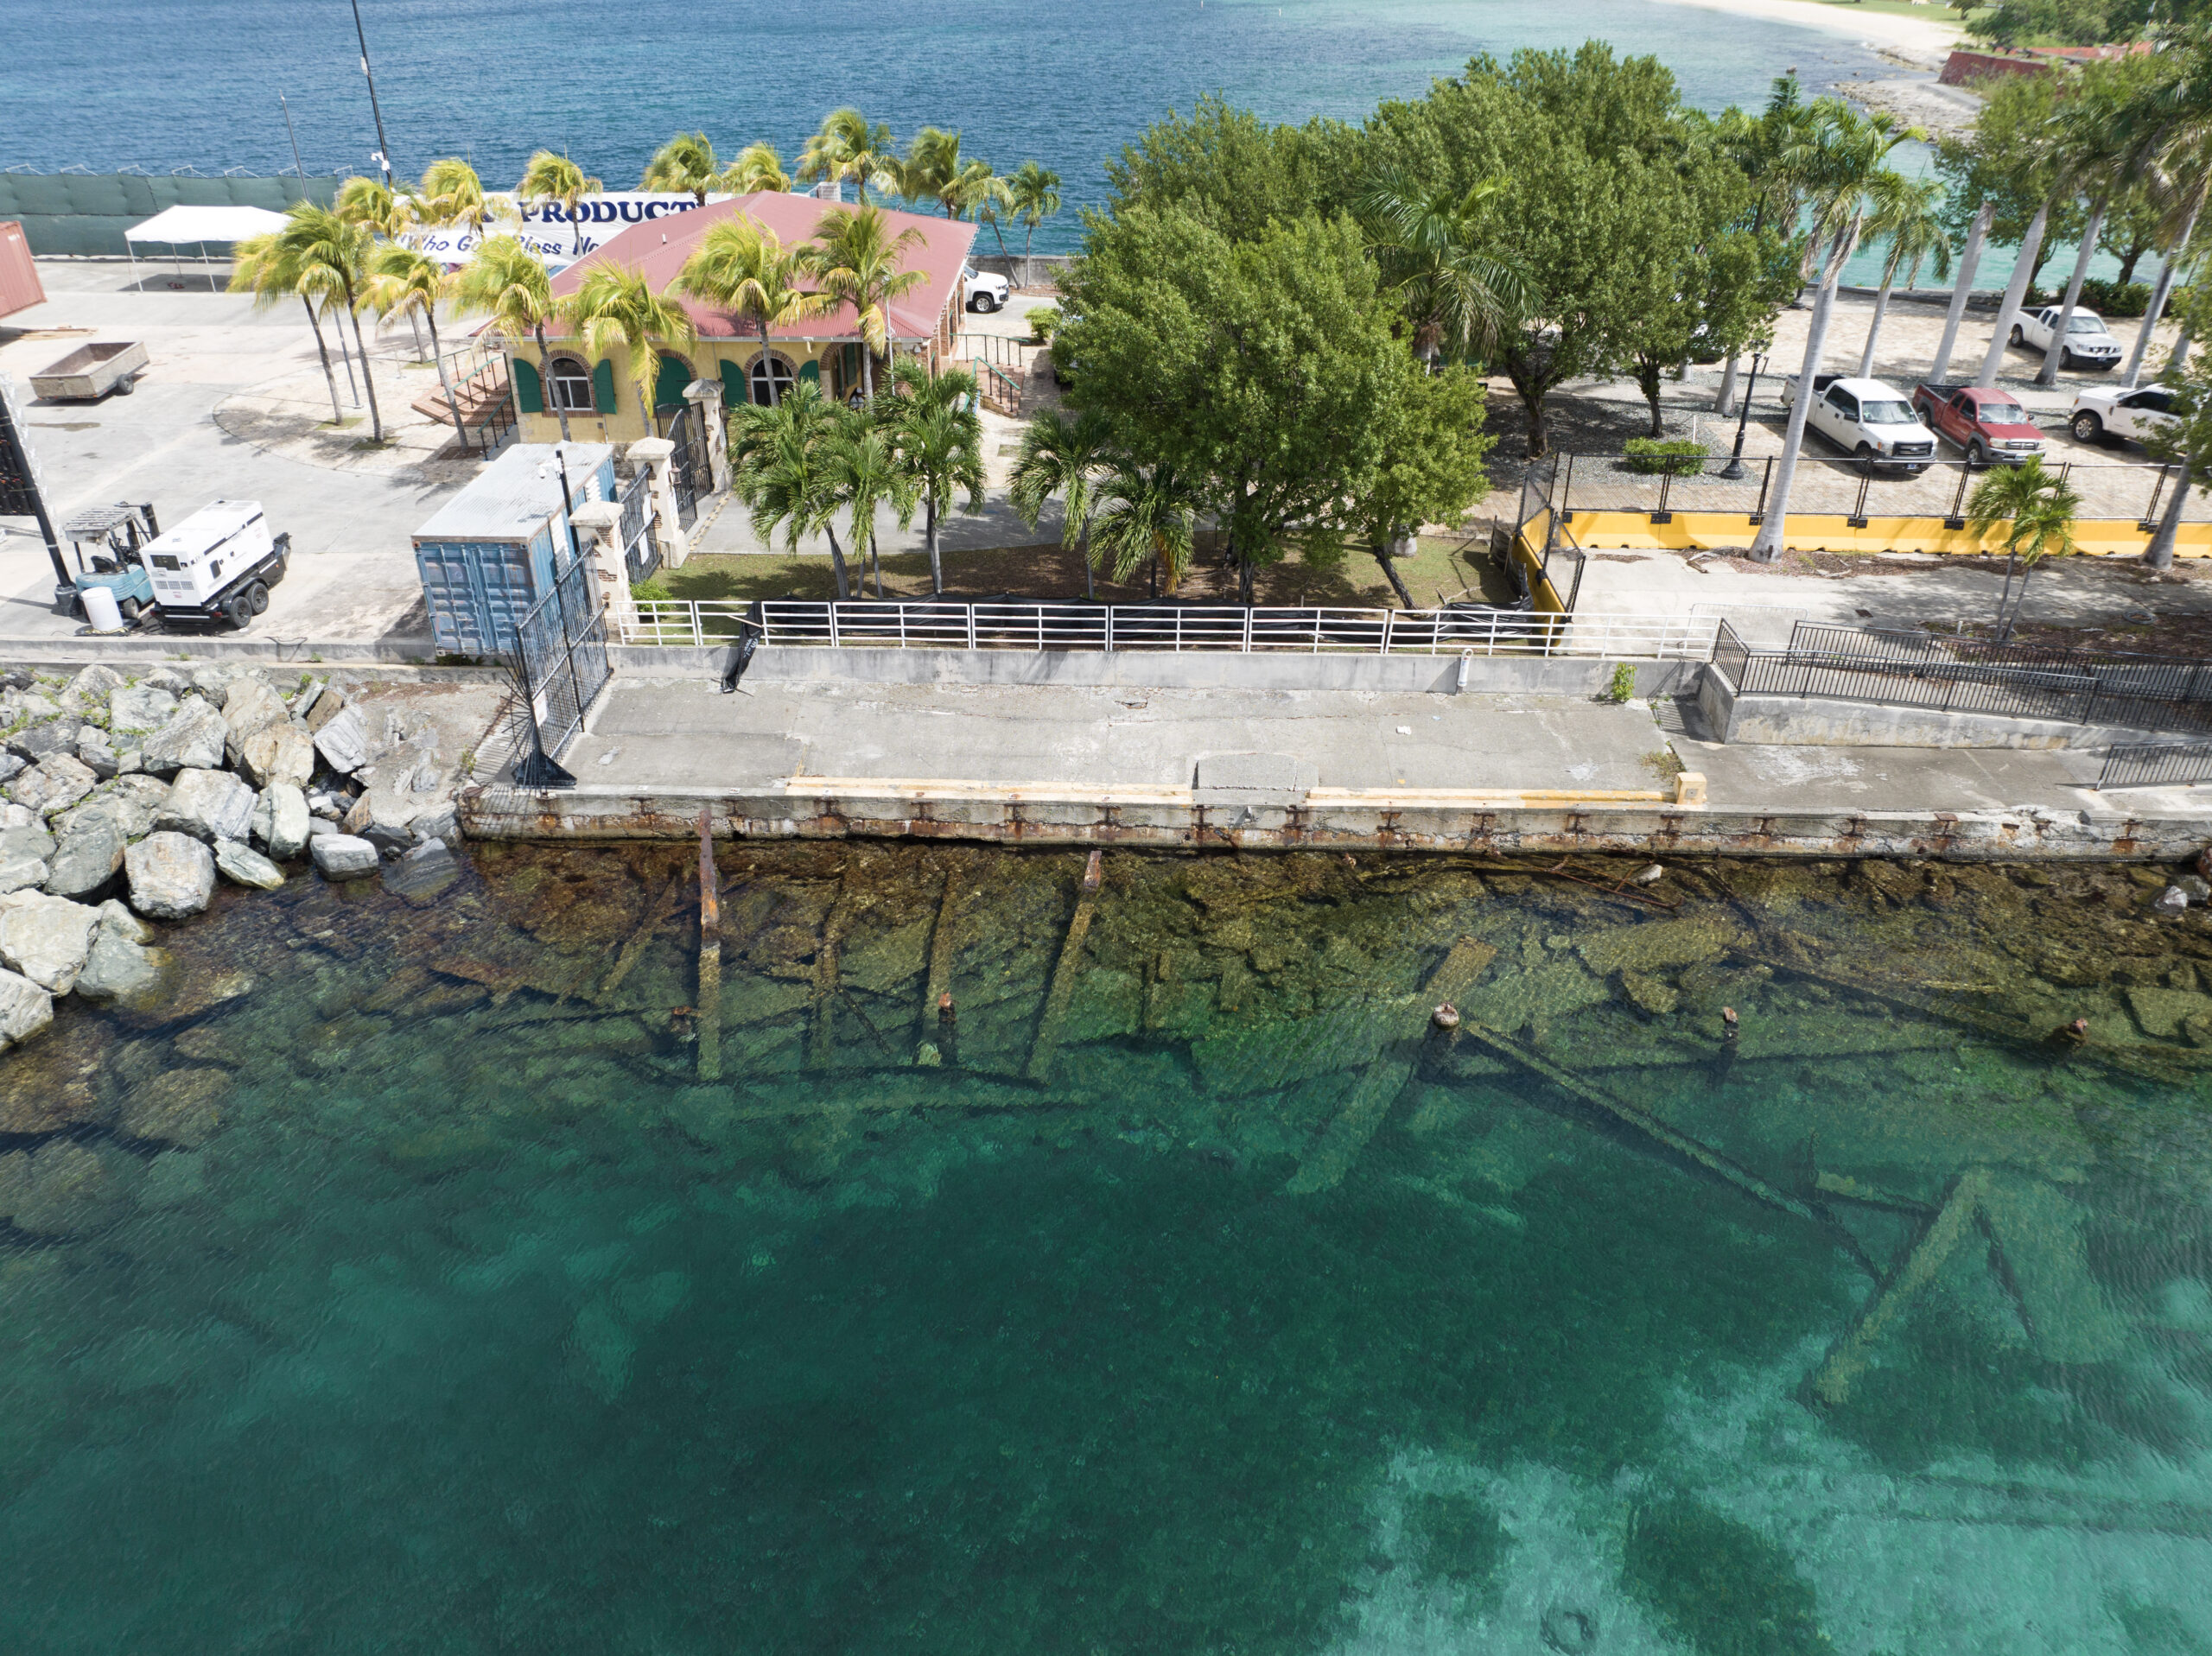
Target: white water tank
(100, 609)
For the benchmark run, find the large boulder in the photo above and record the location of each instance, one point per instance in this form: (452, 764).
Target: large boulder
(25, 1009)
(241, 865)
(131, 803)
(208, 805)
(90, 690)
(192, 739)
(277, 752)
(89, 856)
(96, 753)
(34, 839)
(20, 873)
(248, 705)
(121, 966)
(171, 874)
(182, 1108)
(329, 701)
(54, 784)
(213, 679)
(66, 1188)
(45, 938)
(139, 707)
(43, 740)
(341, 856)
(343, 741)
(280, 820)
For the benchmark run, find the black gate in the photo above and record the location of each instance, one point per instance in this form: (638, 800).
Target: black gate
(688, 463)
(640, 546)
(560, 658)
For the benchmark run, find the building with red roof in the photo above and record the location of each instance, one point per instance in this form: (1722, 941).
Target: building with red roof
(599, 396)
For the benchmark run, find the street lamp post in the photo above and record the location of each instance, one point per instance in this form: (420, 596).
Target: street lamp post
(384, 150)
(1735, 471)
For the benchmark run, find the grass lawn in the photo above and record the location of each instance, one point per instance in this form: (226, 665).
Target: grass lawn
(1933, 14)
(1444, 565)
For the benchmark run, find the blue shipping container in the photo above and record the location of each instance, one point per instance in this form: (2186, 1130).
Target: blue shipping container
(487, 555)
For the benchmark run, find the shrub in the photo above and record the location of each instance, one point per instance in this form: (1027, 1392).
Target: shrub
(1674, 457)
(1042, 320)
(650, 590)
(1622, 685)
(2110, 298)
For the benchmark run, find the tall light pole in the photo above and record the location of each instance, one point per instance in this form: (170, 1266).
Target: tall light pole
(1734, 471)
(298, 166)
(384, 150)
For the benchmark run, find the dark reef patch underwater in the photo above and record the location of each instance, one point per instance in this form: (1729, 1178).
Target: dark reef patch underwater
(398, 1284)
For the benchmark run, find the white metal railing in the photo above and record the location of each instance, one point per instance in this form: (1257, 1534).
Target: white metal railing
(947, 625)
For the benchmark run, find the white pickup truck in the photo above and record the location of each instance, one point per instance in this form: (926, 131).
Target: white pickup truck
(980, 290)
(2089, 344)
(2115, 411)
(1873, 421)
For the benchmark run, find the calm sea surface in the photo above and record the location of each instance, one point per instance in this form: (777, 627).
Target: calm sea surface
(401, 1287)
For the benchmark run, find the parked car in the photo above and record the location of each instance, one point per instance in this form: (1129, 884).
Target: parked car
(980, 290)
(2089, 344)
(1873, 421)
(2115, 411)
(1989, 424)
(217, 565)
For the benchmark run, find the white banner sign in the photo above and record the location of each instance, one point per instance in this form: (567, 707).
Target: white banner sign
(548, 231)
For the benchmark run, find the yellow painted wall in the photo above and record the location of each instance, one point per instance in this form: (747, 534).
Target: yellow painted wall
(625, 424)
(1707, 531)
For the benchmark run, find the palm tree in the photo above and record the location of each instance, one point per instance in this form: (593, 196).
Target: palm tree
(856, 259)
(936, 438)
(2173, 122)
(506, 282)
(616, 305)
(779, 472)
(935, 170)
(1843, 169)
(2040, 508)
(740, 266)
(686, 161)
(860, 464)
(555, 178)
(758, 168)
(1147, 513)
(331, 259)
(976, 192)
(261, 266)
(387, 211)
(1428, 245)
(846, 146)
(452, 193)
(1063, 457)
(1034, 192)
(1908, 214)
(404, 281)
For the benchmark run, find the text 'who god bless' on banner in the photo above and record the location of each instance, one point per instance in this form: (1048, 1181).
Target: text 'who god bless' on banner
(547, 229)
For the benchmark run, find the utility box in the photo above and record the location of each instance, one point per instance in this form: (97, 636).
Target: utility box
(489, 555)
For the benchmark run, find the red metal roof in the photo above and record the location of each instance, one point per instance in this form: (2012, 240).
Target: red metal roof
(660, 247)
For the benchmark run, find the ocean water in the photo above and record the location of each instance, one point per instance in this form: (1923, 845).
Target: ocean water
(441, 1307)
(106, 84)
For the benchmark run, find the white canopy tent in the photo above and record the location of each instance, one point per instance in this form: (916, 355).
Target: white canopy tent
(180, 227)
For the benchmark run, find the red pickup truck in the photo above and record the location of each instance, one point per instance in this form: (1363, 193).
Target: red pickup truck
(1989, 424)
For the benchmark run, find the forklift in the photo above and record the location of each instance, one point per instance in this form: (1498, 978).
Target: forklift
(107, 544)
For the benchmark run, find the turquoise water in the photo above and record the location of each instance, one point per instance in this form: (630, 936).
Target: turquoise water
(473, 1320)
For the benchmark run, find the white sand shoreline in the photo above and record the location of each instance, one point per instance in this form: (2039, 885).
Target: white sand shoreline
(1927, 41)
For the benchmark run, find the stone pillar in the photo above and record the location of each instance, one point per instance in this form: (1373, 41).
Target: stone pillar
(658, 453)
(599, 529)
(706, 395)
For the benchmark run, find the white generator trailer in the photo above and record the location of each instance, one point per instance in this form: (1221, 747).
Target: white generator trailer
(217, 565)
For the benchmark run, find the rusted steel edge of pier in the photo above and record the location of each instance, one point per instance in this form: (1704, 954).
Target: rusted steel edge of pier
(1168, 819)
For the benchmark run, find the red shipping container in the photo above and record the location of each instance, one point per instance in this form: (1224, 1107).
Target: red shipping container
(19, 283)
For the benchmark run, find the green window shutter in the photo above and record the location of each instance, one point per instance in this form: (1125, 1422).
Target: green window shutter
(667, 388)
(811, 369)
(530, 394)
(733, 388)
(603, 385)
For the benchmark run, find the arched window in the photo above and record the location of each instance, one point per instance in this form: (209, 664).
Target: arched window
(571, 385)
(771, 370)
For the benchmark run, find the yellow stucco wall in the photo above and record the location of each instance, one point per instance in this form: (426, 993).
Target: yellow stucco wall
(625, 423)
(1696, 531)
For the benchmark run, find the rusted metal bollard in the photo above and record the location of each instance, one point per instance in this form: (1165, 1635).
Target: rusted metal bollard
(710, 956)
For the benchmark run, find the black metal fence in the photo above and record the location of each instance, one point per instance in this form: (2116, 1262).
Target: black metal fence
(560, 660)
(640, 545)
(1951, 675)
(2139, 764)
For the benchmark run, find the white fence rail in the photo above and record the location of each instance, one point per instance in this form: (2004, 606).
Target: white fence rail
(945, 624)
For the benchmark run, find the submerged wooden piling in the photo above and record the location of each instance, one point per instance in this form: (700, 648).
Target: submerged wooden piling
(1063, 973)
(634, 949)
(821, 1048)
(944, 948)
(1952, 1225)
(710, 956)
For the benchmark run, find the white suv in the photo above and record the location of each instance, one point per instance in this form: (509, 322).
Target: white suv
(2089, 344)
(2115, 411)
(983, 291)
(1874, 421)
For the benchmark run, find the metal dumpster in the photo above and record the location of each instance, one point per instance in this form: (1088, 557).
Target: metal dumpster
(488, 555)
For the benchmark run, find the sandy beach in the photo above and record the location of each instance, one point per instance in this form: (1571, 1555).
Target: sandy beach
(1922, 42)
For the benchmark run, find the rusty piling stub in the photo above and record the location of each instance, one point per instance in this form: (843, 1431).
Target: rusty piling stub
(710, 956)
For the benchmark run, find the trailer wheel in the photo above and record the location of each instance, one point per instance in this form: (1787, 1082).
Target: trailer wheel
(125, 386)
(257, 595)
(239, 611)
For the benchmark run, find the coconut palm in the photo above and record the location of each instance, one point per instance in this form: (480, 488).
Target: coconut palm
(1908, 214)
(452, 193)
(402, 281)
(860, 462)
(1034, 193)
(556, 179)
(686, 161)
(1146, 515)
(2101, 152)
(1428, 243)
(741, 267)
(261, 266)
(935, 170)
(330, 259)
(387, 211)
(2172, 121)
(1842, 166)
(616, 305)
(856, 259)
(506, 282)
(2039, 508)
(846, 146)
(777, 471)
(937, 440)
(1063, 457)
(758, 166)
